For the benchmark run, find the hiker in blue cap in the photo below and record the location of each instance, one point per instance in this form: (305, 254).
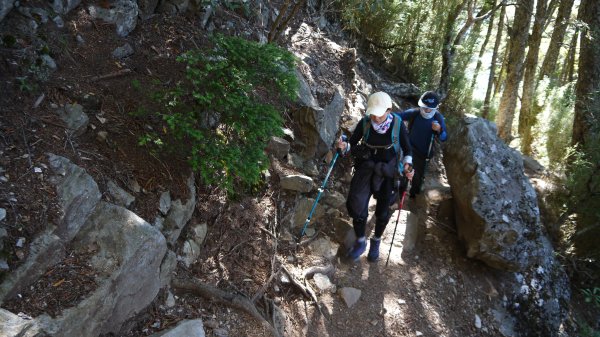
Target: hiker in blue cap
(424, 123)
(381, 151)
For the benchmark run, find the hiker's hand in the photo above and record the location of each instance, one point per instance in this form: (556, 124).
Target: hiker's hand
(408, 171)
(342, 145)
(435, 126)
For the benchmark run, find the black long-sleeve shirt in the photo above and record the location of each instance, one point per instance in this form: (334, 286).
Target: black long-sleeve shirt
(377, 139)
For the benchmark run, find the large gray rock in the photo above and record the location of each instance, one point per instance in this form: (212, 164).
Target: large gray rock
(180, 213)
(75, 118)
(185, 328)
(64, 6)
(78, 195)
(301, 211)
(120, 196)
(45, 250)
(128, 260)
(297, 182)
(13, 325)
(146, 8)
(123, 13)
(405, 90)
(173, 7)
(278, 147)
(5, 7)
(497, 217)
(496, 208)
(318, 127)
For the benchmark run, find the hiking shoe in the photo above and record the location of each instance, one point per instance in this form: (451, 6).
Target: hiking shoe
(357, 250)
(374, 250)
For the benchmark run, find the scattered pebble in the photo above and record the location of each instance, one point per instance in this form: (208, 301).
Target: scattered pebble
(477, 322)
(20, 242)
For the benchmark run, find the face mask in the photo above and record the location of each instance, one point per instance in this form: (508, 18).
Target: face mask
(427, 115)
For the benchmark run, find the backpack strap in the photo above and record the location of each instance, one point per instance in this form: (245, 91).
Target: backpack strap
(396, 142)
(366, 124)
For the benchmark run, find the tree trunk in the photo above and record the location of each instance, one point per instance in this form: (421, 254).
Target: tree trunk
(528, 114)
(447, 50)
(279, 25)
(568, 68)
(586, 131)
(556, 41)
(587, 106)
(488, 93)
(482, 50)
(450, 45)
(514, 71)
(502, 73)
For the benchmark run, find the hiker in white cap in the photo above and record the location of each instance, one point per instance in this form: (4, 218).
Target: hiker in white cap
(381, 151)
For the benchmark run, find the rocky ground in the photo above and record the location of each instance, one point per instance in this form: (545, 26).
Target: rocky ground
(429, 290)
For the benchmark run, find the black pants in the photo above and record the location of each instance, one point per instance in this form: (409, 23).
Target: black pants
(361, 190)
(419, 167)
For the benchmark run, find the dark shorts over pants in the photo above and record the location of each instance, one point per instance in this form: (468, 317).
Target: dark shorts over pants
(361, 190)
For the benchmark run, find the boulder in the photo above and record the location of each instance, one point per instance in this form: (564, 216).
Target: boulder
(498, 219)
(318, 127)
(496, 209)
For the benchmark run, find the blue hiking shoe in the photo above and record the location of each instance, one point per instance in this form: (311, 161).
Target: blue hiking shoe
(357, 250)
(374, 250)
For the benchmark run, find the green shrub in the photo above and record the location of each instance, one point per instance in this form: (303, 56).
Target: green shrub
(560, 124)
(373, 19)
(592, 296)
(586, 330)
(217, 115)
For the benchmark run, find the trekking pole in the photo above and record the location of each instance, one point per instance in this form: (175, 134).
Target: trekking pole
(321, 189)
(426, 163)
(400, 204)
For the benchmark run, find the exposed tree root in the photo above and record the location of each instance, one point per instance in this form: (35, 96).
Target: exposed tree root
(235, 301)
(328, 270)
(305, 289)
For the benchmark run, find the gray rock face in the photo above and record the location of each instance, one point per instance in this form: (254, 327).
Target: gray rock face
(147, 8)
(129, 260)
(78, 194)
(496, 208)
(173, 7)
(497, 217)
(297, 182)
(13, 325)
(130, 253)
(64, 6)
(121, 197)
(123, 14)
(278, 147)
(319, 126)
(180, 213)
(405, 90)
(75, 118)
(5, 7)
(188, 328)
(122, 52)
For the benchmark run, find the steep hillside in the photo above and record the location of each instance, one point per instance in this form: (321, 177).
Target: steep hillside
(235, 264)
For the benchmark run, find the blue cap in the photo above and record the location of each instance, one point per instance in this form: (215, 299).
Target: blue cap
(429, 100)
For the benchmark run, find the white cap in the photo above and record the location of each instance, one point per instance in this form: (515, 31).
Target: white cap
(378, 104)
